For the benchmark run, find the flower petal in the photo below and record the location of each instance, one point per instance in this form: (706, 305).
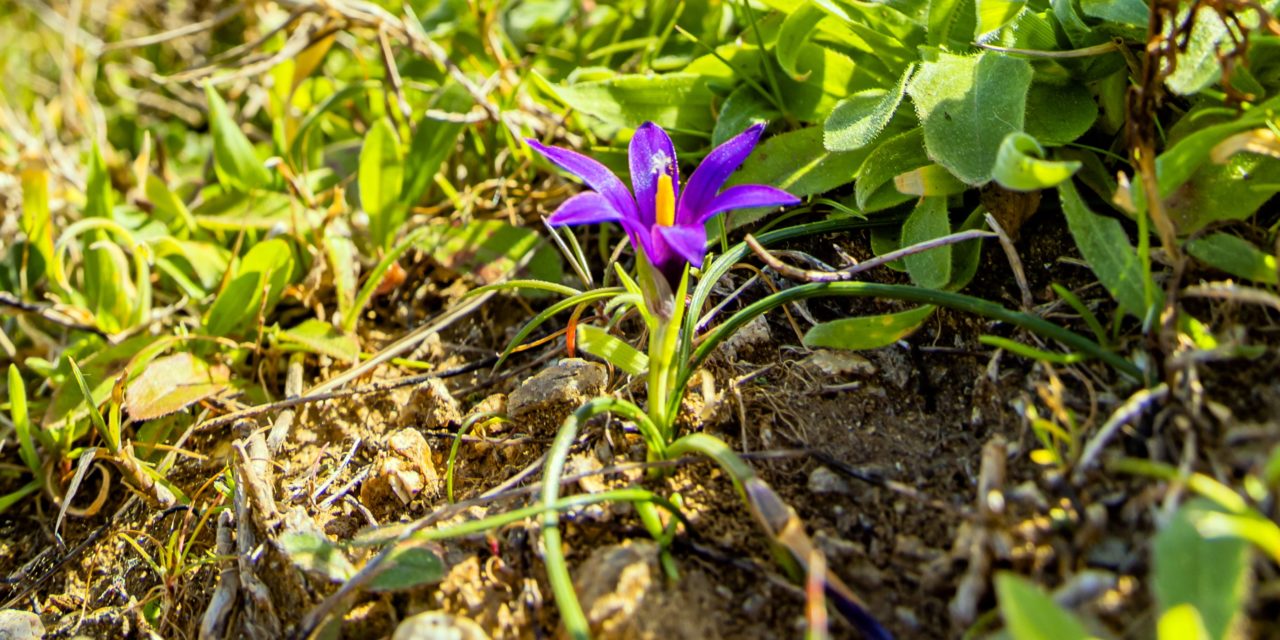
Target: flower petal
(745, 196)
(688, 242)
(652, 155)
(594, 174)
(714, 170)
(587, 207)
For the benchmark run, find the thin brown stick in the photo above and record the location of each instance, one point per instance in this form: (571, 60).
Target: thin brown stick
(847, 273)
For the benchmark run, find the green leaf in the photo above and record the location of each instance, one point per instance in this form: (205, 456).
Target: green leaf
(929, 180)
(1058, 114)
(1182, 622)
(952, 23)
(172, 383)
(795, 32)
(343, 263)
(407, 567)
(1105, 246)
(267, 269)
(797, 162)
(37, 223)
(858, 120)
(673, 100)
(993, 15)
(22, 420)
(315, 553)
(1209, 574)
(893, 157)
(867, 332)
(1029, 614)
(1198, 66)
(597, 342)
(967, 105)
(1128, 12)
(1235, 256)
(380, 179)
(168, 206)
(743, 108)
(234, 159)
(111, 437)
(318, 336)
(930, 269)
(1020, 167)
(432, 142)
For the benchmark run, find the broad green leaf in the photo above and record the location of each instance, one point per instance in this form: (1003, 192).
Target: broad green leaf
(796, 31)
(930, 269)
(1209, 574)
(1235, 256)
(797, 162)
(1182, 622)
(1105, 246)
(1246, 181)
(929, 180)
(1030, 614)
(858, 120)
(407, 567)
(967, 105)
(1177, 164)
(599, 343)
(993, 15)
(867, 332)
(265, 270)
(432, 142)
(743, 108)
(315, 553)
(892, 157)
(1020, 165)
(380, 179)
(1129, 12)
(168, 206)
(234, 159)
(952, 23)
(1058, 114)
(673, 100)
(318, 336)
(172, 383)
(1198, 65)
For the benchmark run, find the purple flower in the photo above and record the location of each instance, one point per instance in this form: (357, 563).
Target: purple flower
(665, 223)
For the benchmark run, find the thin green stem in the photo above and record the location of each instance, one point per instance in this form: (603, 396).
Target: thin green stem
(575, 621)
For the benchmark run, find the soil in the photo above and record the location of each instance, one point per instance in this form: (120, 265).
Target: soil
(910, 467)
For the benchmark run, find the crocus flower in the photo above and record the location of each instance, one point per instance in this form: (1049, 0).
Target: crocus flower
(668, 225)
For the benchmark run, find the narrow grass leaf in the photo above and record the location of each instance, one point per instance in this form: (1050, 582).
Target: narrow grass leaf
(22, 421)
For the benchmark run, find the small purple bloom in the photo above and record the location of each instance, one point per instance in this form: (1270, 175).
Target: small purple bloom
(665, 223)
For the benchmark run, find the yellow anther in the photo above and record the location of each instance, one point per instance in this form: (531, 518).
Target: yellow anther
(665, 208)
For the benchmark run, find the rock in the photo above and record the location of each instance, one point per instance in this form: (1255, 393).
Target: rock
(431, 406)
(437, 625)
(612, 586)
(744, 341)
(824, 480)
(546, 399)
(20, 625)
(496, 403)
(404, 470)
(838, 363)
